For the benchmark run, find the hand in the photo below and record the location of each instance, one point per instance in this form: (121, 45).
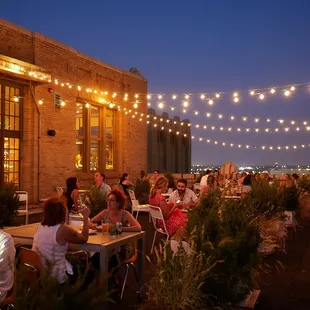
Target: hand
(85, 212)
(93, 225)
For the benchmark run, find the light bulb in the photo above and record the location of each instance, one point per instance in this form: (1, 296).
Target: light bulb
(252, 93)
(202, 96)
(210, 102)
(272, 90)
(236, 99)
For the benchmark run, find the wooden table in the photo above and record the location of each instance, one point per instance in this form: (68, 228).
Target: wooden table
(100, 243)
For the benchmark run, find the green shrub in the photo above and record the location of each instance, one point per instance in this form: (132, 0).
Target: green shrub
(291, 198)
(169, 177)
(9, 203)
(224, 233)
(46, 293)
(142, 191)
(96, 201)
(178, 279)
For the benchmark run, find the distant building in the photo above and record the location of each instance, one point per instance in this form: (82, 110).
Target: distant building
(168, 144)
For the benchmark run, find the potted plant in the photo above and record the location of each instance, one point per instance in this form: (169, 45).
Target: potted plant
(9, 204)
(225, 234)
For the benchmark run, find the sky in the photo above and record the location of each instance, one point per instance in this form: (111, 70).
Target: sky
(195, 47)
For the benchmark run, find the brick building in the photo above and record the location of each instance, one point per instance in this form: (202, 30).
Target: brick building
(169, 143)
(65, 114)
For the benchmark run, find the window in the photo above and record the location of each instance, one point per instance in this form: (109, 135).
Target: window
(94, 129)
(11, 160)
(80, 135)
(109, 139)
(10, 120)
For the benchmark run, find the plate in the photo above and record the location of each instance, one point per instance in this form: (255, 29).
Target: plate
(91, 231)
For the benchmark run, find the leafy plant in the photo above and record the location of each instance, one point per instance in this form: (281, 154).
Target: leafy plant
(142, 191)
(304, 184)
(178, 279)
(291, 198)
(46, 293)
(9, 203)
(96, 201)
(224, 233)
(169, 177)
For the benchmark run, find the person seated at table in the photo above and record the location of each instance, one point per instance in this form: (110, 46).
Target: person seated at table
(183, 195)
(72, 194)
(52, 238)
(175, 219)
(211, 186)
(246, 185)
(7, 262)
(114, 214)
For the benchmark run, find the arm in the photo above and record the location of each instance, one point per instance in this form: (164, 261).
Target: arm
(67, 233)
(134, 224)
(75, 196)
(165, 210)
(97, 218)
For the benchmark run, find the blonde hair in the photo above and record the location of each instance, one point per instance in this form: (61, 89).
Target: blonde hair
(161, 182)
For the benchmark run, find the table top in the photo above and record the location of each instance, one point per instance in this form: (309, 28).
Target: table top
(28, 232)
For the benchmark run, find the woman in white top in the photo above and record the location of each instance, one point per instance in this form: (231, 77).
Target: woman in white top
(52, 237)
(7, 259)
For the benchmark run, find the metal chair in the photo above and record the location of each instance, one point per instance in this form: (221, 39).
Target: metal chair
(129, 262)
(59, 190)
(156, 214)
(136, 207)
(23, 197)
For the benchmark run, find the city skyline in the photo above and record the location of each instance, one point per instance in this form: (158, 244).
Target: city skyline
(203, 48)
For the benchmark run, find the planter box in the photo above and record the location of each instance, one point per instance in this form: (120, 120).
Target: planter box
(250, 301)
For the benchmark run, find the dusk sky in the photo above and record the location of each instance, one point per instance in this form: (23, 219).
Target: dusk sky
(194, 47)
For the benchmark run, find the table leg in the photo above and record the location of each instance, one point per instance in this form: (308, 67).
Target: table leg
(140, 249)
(104, 267)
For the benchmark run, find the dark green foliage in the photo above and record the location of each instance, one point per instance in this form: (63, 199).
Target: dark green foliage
(96, 201)
(264, 200)
(291, 198)
(46, 293)
(304, 184)
(142, 191)
(169, 177)
(228, 237)
(9, 204)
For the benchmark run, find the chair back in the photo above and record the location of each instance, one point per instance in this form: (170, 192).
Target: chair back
(59, 190)
(131, 195)
(22, 195)
(30, 257)
(156, 214)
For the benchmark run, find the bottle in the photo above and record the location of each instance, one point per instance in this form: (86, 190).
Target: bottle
(119, 228)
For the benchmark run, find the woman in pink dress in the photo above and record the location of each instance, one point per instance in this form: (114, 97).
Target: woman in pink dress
(175, 219)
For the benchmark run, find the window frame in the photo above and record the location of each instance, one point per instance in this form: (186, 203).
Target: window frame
(87, 138)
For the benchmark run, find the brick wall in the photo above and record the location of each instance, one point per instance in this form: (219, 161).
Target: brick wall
(57, 154)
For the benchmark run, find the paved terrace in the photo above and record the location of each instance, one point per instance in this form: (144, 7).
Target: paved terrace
(285, 284)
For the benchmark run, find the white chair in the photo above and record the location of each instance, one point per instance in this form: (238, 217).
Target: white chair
(135, 206)
(23, 197)
(59, 190)
(156, 214)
